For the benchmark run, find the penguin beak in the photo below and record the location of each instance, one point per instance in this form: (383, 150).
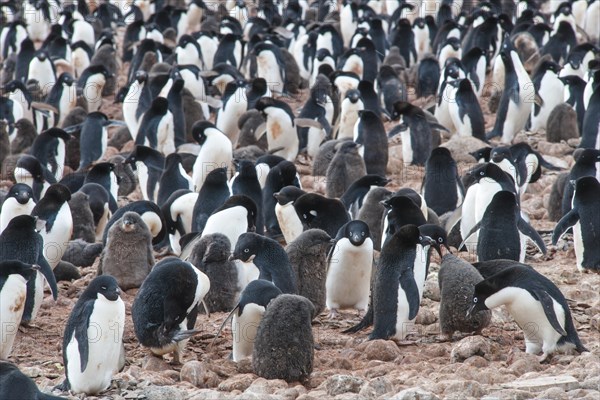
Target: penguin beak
(22, 198)
(427, 241)
(497, 157)
(385, 204)
(232, 257)
(471, 309)
(36, 267)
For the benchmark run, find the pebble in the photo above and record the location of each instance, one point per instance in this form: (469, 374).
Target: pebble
(339, 384)
(384, 350)
(414, 394)
(471, 346)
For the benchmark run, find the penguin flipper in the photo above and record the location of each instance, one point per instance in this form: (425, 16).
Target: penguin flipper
(528, 230)
(548, 306)
(326, 127)
(46, 270)
(409, 286)
(544, 163)
(564, 224)
(82, 320)
(471, 232)
(366, 321)
(223, 325)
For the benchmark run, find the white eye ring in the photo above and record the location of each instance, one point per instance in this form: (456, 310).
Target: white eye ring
(246, 250)
(103, 288)
(474, 299)
(440, 240)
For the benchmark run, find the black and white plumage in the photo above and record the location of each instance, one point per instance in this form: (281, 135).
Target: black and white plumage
(18, 201)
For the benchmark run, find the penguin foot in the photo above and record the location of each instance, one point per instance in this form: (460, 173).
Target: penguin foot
(176, 358)
(545, 358)
(333, 313)
(27, 325)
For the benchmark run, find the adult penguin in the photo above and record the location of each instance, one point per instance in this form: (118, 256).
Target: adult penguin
(21, 241)
(246, 183)
(356, 193)
(547, 85)
(91, 83)
(53, 209)
(32, 173)
(319, 212)
(370, 133)
(156, 129)
(18, 201)
(281, 175)
(93, 138)
(104, 174)
(235, 217)
(164, 310)
(49, 147)
(148, 164)
(213, 193)
(215, 152)
(442, 187)
(518, 91)
(282, 136)
(173, 178)
(465, 110)
(63, 97)
(583, 217)
(235, 103)
(586, 161)
(415, 132)
(93, 339)
(14, 384)
(318, 107)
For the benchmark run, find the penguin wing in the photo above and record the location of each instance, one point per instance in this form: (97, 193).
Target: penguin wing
(471, 232)
(81, 320)
(565, 223)
(544, 163)
(528, 230)
(326, 126)
(223, 325)
(521, 171)
(548, 306)
(408, 284)
(46, 270)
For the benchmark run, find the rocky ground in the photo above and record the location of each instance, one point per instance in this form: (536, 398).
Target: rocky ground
(349, 367)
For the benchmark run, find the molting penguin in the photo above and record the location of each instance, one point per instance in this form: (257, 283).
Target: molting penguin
(18, 201)
(269, 257)
(53, 209)
(372, 213)
(583, 217)
(93, 339)
(532, 300)
(127, 255)
(14, 276)
(215, 152)
(284, 346)
(350, 264)
(308, 257)
(457, 279)
(21, 241)
(316, 211)
(164, 311)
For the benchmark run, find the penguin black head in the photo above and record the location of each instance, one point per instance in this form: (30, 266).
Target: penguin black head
(399, 202)
(246, 168)
(141, 76)
(585, 185)
(22, 223)
(104, 285)
(374, 180)
(453, 67)
(66, 78)
(259, 85)
(41, 55)
(20, 192)
(355, 231)
(159, 106)
(247, 203)
(454, 42)
(199, 131)
(58, 193)
(549, 65)
(102, 168)
(288, 194)
(488, 170)
(247, 247)
(11, 267)
(482, 155)
(58, 133)
(216, 176)
(408, 236)
(98, 116)
(259, 291)
(406, 109)
(353, 95)
(32, 165)
(499, 154)
(141, 153)
(437, 234)
(172, 159)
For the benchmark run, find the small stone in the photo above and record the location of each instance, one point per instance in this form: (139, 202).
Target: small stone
(415, 393)
(199, 375)
(476, 361)
(426, 317)
(431, 290)
(554, 393)
(592, 383)
(376, 387)
(509, 394)
(470, 346)
(523, 366)
(339, 384)
(162, 392)
(208, 394)
(384, 350)
(538, 384)
(32, 372)
(263, 386)
(156, 364)
(237, 382)
(463, 389)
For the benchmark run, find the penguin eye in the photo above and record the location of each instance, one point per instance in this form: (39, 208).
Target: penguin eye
(363, 234)
(440, 240)
(103, 287)
(474, 299)
(481, 173)
(246, 250)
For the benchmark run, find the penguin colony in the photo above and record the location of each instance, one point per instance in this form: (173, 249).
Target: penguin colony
(190, 193)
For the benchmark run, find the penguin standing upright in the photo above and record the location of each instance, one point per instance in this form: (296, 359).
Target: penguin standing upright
(53, 209)
(281, 175)
(585, 165)
(173, 178)
(16, 385)
(351, 105)
(18, 201)
(502, 230)
(93, 139)
(280, 127)
(91, 83)
(350, 264)
(584, 219)
(465, 110)
(93, 339)
(354, 196)
(269, 257)
(533, 301)
(396, 294)
(547, 85)
(21, 241)
(235, 103)
(213, 193)
(370, 133)
(156, 128)
(400, 210)
(442, 187)
(415, 132)
(215, 152)
(518, 91)
(318, 107)
(63, 97)
(30, 172)
(346, 167)
(49, 147)
(104, 174)
(14, 276)
(164, 310)
(270, 66)
(246, 183)
(287, 218)
(148, 164)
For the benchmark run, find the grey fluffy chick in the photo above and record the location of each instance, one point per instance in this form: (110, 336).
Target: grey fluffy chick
(82, 254)
(284, 346)
(345, 168)
(211, 256)
(83, 218)
(457, 279)
(308, 256)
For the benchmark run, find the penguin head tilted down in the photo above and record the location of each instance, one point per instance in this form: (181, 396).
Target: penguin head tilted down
(104, 285)
(438, 236)
(247, 247)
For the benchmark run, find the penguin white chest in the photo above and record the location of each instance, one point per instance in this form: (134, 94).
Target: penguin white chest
(403, 323)
(349, 275)
(142, 174)
(289, 222)
(56, 241)
(407, 151)
(268, 69)
(231, 222)
(12, 208)
(12, 305)
(105, 337)
(244, 329)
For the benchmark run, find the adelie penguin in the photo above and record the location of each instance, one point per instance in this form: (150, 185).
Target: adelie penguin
(350, 261)
(583, 217)
(149, 164)
(30, 172)
(370, 133)
(213, 193)
(503, 231)
(465, 110)
(547, 86)
(149, 212)
(280, 127)
(354, 196)
(215, 151)
(18, 201)
(289, 221)
(533, 301)
(401, 210)
(316, 211)
(247, 314)
(93, 339)
(53, 209)
(415, 131)
(442, 187)
(269, 257)
(14, 276)
(50, 150)
(279, 176)
(586, 162)
(235, 217)
(93, 139)
(246, 183)
(21, 241)
(156, 128)
(178, 212)
(164, 311)
(91, 83)
(348, 116)
(173, 178)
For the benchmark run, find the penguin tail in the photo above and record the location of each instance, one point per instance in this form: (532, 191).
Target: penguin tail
(580, 347)
(183, 335)
(64, 387)
(364, 323)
